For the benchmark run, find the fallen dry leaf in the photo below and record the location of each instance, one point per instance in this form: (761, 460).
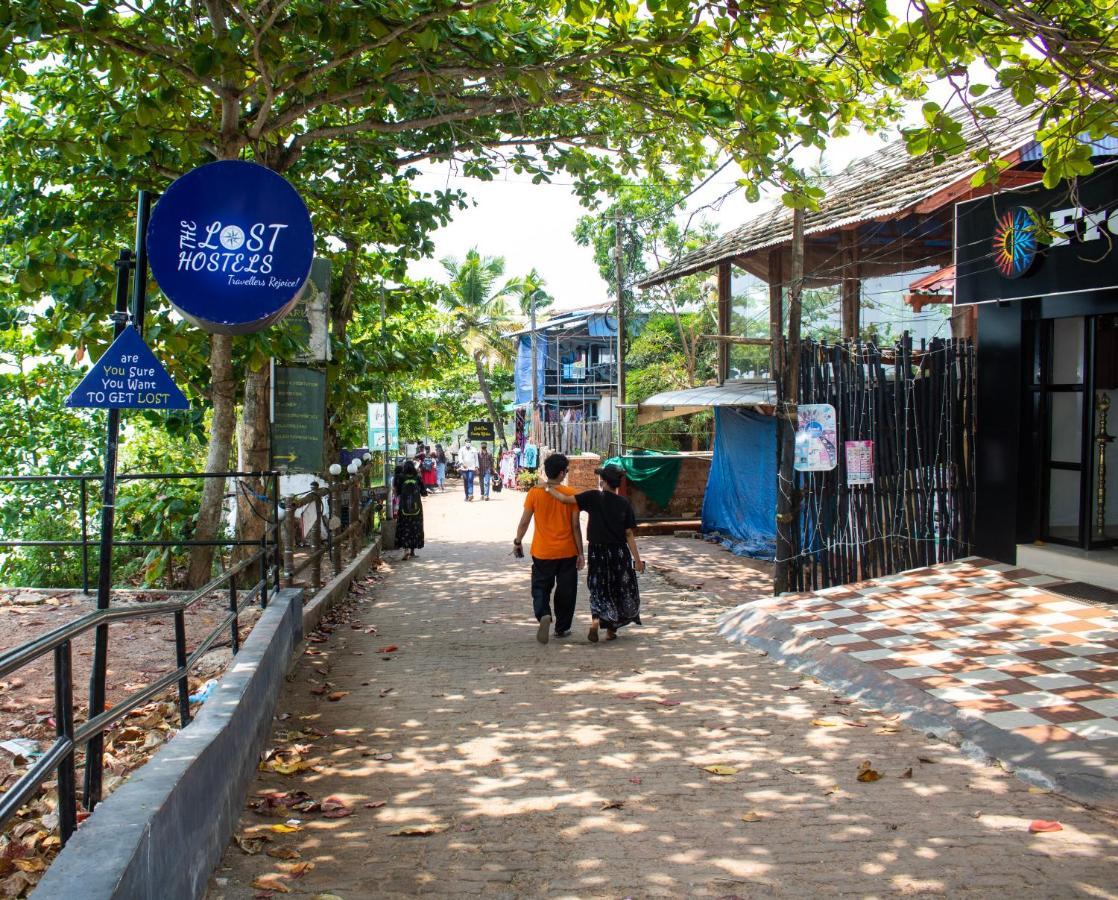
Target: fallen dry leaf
(866, 772)
(299, 869)
(1044, 826)
(248, 845)
(926, 759)
(32, 864)
(907, 773)
(752, 816)
(418, 830)
(833, 790)
(391, 648)
(628, 695)
(336, 696)
(326, 897)
(384, 757)
(613, 804)
(387, 691)
(1037, 790)
(634, 781)
(271, 883)
(376, 804)
(720, 770)
(285, 829)
(825, 723)
(282, 852)
(333, 808)
(669, 702)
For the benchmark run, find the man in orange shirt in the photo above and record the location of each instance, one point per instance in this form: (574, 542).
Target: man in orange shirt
(556, 550)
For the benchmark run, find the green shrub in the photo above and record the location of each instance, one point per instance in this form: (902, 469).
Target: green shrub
(527, 480)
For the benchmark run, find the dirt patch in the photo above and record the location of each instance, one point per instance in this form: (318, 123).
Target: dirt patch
(140, 651)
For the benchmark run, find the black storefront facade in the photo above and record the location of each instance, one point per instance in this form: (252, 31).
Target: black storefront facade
(1042, 266)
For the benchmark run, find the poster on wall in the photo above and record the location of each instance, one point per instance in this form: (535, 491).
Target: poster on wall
(377, 430)
(859, 462)
(816, 438)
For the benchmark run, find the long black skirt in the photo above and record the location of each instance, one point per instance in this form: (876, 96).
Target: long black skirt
(615, 598)
(409, 532)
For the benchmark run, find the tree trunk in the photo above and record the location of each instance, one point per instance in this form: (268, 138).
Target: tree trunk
(253, 513)
(483, 383)
(224, 396)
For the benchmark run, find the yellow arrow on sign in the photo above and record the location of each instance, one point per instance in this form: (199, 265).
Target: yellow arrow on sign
(291, 457)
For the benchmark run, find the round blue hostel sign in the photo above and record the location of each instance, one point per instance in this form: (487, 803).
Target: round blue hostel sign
(230, 244)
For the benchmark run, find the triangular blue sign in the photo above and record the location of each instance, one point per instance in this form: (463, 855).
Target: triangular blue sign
(128, 376)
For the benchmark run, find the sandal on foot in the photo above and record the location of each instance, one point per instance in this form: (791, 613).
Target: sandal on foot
(593, 635)
(611, 635)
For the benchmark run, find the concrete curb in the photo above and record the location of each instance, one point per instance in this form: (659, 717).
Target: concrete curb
(1087, 771)
(322, 602)
(163, 831)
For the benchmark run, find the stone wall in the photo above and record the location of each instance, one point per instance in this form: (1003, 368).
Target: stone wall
(686, 502)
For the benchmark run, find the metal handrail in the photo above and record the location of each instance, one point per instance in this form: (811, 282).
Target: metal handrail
(59, 757)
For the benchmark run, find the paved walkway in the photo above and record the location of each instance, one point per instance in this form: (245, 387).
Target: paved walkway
(577, 770)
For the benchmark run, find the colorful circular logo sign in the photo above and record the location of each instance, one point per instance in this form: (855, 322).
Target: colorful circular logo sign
(231, 245)
(1015, 241)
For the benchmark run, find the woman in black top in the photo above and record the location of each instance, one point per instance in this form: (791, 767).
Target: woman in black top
(409, 490)
(612, 559)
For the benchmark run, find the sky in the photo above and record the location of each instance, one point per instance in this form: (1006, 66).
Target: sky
(532, 225)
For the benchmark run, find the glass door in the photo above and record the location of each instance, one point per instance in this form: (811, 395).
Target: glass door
(1102, 458)
(1063, 373)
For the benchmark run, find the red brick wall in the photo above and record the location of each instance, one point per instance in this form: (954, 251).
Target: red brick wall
(581, 474)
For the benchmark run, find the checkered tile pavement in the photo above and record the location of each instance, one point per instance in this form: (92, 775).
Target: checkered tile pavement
(983, 636)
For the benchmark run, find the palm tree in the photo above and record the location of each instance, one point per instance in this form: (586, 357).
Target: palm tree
(480, 313)
(530, 293)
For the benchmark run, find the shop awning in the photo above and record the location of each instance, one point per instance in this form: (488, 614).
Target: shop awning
(760, 395)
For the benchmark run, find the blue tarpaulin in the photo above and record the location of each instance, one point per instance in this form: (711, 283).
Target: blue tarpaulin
(524, 366)
(740, 500)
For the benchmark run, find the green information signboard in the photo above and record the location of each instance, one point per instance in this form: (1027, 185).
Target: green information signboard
(298, 418)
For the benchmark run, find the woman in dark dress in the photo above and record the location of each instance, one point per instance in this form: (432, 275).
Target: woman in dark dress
(410, 490)
(612, 559)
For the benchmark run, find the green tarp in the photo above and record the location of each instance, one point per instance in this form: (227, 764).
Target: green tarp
(655, 474)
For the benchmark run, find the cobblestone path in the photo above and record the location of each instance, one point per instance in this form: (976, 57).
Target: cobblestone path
(577, 770)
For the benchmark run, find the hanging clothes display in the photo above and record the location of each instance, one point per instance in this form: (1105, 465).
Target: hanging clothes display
(531, 456)
(507, 469)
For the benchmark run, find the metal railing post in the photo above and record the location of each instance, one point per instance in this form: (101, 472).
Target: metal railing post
(275, 518)
(264, 557)
(85, 535)
(180, 662)
(64, 729)
(234, 627)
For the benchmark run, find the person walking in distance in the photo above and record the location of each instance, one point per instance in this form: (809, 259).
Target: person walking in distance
(485, 470)
(409, 490)
(440, 467)
(467, 465)
(556, 550)
(612, 558)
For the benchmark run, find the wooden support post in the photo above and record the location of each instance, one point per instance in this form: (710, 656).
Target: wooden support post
(356, 532)
(289, 543)
(335, 516)
(724, 300)
(776, 310)
(851, 286)
(787, 500)
(316, 539)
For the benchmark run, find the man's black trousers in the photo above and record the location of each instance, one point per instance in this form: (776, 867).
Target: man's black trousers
(562, 575)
